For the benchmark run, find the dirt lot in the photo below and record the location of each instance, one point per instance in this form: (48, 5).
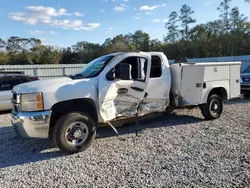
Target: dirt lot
(179, 150)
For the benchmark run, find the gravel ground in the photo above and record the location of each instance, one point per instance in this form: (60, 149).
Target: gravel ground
(4, 119)
(179, 150)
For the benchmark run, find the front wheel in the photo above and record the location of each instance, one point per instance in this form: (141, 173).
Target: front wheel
(213, 109)
(74, 132)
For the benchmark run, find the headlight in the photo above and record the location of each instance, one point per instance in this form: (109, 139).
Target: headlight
(32, 102)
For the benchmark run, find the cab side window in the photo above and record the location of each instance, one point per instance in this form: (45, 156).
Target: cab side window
(138, 68)
(156, 69)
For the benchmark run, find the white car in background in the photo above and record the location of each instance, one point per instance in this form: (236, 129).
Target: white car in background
(7, 81)
(245, 80)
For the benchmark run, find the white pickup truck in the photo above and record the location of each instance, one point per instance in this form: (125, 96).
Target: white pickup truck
(117, 88)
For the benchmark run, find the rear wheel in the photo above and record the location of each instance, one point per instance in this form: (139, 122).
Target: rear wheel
(74, 132)
(213, 109)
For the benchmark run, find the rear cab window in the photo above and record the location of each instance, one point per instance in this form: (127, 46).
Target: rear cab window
(156, 67)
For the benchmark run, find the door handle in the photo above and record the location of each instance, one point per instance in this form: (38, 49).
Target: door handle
(122, 91)
(137, 89)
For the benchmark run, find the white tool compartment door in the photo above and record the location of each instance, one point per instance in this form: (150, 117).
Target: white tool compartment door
(234, 81)
(120, 98)
(191, 85)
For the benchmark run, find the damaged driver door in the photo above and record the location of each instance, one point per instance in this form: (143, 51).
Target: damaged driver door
(122, 86)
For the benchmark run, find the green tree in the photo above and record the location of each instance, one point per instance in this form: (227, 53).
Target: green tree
(119, 43)
(87, 51)
(239, 30)
(16, 50)
(14, 45)
(237, 20)
(140, 40)
(172, 28)
(156, 45)
(70, 57)
(2, 44)
(48, 55)
(186, 20)
(224, 9)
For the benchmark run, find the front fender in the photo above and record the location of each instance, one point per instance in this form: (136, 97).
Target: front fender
(70, 91)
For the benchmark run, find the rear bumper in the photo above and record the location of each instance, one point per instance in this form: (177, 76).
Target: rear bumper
(31, 124)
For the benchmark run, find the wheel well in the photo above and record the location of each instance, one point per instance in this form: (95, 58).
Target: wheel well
(220, 91)
(81, 105)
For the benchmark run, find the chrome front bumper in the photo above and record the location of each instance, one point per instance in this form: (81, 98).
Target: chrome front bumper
(31, 124)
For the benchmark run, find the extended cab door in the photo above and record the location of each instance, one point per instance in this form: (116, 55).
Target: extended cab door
(119, 97)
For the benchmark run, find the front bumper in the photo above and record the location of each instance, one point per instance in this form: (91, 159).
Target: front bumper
(31, 124)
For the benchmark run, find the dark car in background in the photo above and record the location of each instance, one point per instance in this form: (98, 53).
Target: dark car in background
(9, 79)
(245, 80)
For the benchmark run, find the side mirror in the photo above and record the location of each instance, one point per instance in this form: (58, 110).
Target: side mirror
(110, 76)
(125, 71)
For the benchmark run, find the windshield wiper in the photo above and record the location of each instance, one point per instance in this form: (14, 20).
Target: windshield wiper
(76, 76)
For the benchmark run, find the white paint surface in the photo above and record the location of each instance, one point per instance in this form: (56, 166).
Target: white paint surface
(181, 80)
(5, 100)
(113, 105)
(185, 78)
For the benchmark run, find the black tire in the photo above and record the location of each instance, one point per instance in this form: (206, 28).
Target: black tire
(64, 124)
(209, 111)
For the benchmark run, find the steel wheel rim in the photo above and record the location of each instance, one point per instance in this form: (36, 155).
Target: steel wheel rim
(76, 134)
(215, 107)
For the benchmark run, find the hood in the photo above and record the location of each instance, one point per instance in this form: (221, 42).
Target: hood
(39, 85)
(61, 89)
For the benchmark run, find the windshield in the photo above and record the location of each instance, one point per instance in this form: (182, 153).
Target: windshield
(95, 67)
(247, 70)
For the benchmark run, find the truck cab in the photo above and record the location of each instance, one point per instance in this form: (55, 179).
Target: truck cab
(117, 88)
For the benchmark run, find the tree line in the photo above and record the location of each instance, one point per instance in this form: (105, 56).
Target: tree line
(229, 35)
